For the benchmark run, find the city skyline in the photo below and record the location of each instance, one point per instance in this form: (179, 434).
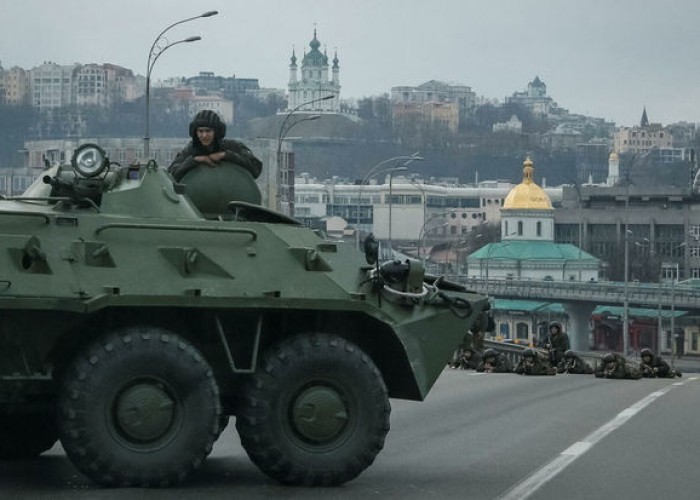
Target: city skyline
(585, 53)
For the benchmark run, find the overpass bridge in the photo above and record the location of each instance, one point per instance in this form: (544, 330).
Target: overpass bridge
(580, 298)
(600, 292)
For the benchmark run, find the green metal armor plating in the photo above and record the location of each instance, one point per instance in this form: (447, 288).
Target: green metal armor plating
(133, 327)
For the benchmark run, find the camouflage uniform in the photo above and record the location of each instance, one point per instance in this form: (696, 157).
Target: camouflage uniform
(469, 359)
(534, 363)
(494, 362)
(558, 343)
(615, 366)
(469, 353)
(573, 363)
(654, 366)
(477, 339)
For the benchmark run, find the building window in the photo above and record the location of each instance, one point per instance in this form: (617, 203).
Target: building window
(520, 228)
(539, 228)
(522, 331)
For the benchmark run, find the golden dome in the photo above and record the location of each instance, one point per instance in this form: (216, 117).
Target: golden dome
(527, 194)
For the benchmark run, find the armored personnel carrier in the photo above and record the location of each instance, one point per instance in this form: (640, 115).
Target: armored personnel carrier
(133, 326)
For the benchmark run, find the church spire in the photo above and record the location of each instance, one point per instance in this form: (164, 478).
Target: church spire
(645, 120)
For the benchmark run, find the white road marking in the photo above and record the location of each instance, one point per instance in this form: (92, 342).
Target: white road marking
(536, 480)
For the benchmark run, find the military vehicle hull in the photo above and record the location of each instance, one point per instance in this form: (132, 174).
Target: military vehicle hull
(133, 327)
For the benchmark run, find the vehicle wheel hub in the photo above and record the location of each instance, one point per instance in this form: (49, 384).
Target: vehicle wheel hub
(319, 414)
(144, 412)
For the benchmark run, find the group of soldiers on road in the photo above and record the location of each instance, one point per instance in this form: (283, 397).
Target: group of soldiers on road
(559, 358)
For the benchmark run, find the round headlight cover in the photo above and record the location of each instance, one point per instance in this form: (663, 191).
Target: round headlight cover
(89, 160)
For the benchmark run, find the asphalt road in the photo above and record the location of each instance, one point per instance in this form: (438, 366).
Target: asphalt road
(476, 436)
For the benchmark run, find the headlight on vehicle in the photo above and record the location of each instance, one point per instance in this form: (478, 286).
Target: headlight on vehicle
(89, 160)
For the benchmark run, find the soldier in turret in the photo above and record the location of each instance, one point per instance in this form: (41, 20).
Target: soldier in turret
(655, 367)
(534, 363)
(208, 147)
(573, 363)
(494, 362)
(615, 366)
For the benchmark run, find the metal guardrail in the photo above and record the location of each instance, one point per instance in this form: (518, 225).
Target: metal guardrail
(638, 294)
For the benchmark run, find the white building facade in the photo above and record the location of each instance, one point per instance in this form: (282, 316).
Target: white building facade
(407, 211)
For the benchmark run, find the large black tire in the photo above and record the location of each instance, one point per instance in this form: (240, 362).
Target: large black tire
(139, 408)
(315, 413)
(24, 436)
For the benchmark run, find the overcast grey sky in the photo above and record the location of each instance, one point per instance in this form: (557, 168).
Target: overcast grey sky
(604, 58)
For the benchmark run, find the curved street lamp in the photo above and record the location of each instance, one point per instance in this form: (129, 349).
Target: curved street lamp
(420, 188)
(160, 45)
(405, 160)
(284, 130)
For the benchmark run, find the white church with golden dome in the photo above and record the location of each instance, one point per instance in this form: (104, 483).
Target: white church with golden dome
(527, 250)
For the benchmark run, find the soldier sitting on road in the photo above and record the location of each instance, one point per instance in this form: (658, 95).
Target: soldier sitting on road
(534, 363)
(615, 366)
(654, 366)
(494, 362)
(558, 343)
(469, 353)
(573, 363)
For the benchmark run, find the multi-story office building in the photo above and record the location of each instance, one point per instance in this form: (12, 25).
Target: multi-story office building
(207, 81)
(51, 85)
(14, 86)
(432, 102)
(662, 224)
(103, 85)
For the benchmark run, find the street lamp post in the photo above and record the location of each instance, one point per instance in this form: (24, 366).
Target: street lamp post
(673, 306)
(391, 201)
(160, 45)
(285, 127)
(626, 304)
(458, 246)
(405, 160)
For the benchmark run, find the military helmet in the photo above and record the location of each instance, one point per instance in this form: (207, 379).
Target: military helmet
(490, 353)
(609, 358)
(529, 353)
(646, 352)
(207, 118)
(556, 325)
(569, 353)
